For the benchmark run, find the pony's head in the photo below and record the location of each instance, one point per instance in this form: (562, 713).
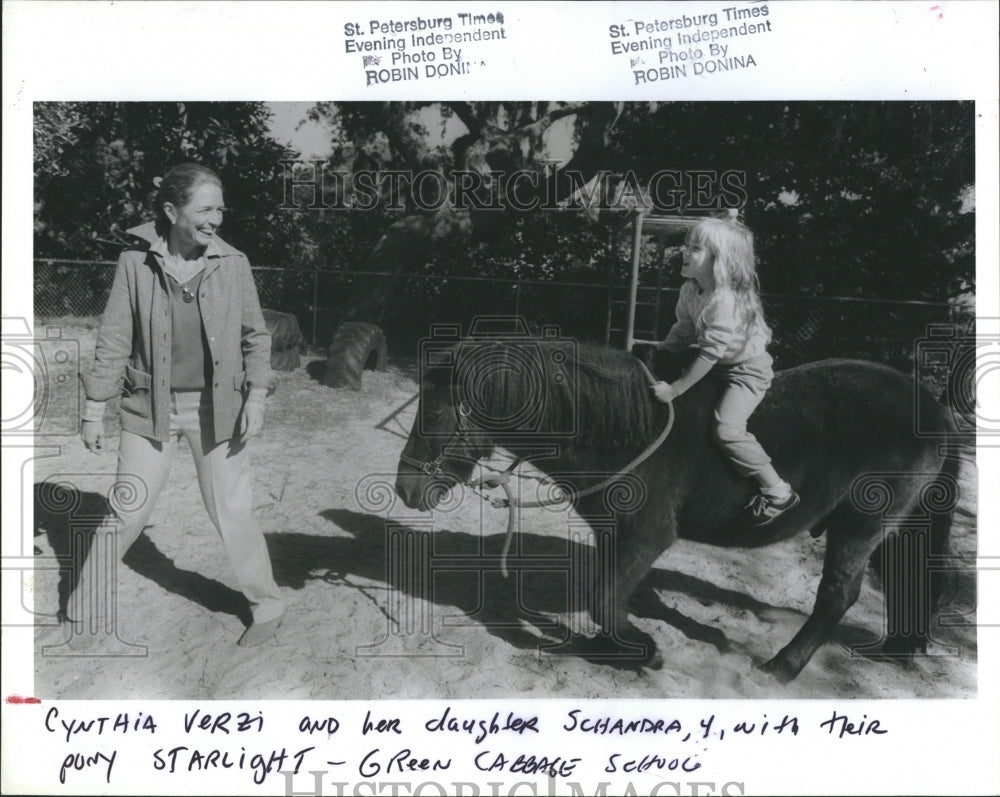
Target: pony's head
(443, 446)
(517, 394)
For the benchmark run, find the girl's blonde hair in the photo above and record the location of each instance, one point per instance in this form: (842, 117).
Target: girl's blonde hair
(734, 270)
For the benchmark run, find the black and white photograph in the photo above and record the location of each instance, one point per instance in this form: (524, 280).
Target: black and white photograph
(453, 261)
(412, 436)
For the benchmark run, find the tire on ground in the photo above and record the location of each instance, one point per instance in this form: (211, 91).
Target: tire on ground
(287, 360)
(356, 347)
(287, 340)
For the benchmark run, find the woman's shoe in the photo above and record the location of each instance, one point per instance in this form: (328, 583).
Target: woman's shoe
(258, 633)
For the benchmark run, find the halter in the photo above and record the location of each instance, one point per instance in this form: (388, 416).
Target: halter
(433, 467)
(502, 478)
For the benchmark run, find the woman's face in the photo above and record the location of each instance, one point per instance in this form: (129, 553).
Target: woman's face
(195, 223)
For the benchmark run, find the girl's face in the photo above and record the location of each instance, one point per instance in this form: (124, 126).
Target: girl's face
(698, 263)
(195, 223)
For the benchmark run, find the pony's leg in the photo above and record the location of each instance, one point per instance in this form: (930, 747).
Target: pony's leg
(910, 562)
(623, 563)
(851, 538)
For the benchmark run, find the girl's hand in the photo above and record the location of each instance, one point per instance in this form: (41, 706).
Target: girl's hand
(664, 392)
(92, 434)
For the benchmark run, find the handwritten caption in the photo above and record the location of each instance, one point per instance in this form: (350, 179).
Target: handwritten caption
(366, 743)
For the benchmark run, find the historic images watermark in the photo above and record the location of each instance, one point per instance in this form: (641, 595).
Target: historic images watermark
(492, 788)
(313, 186)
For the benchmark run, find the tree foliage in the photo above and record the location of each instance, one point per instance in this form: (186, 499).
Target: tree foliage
(94, 165)
(860, 198)
(868, 199)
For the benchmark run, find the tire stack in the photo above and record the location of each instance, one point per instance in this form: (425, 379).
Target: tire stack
(287, 340)
(356, 347)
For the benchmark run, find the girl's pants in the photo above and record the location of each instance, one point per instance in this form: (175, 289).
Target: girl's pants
(746, 384)
(224, 478)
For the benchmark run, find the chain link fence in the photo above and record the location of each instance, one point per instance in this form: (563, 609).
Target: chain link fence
(407, 307)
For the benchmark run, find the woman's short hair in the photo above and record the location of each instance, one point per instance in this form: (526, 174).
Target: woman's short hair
(177, 186)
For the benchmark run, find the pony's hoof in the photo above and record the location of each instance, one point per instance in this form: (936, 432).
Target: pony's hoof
(629, 653)
(654, 662)
(903, 660)
(779, 670)
(898, 651)
(903, 647)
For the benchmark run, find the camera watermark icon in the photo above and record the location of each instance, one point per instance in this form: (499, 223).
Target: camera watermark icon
(41, 395)
(956, 359)
(504, 379)
(913, 562)
(82, 526)
(583, 569)
(93, 613)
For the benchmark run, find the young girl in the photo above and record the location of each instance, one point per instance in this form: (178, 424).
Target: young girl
(719, 313)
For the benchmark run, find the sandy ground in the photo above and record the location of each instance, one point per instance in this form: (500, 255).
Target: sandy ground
(359, 626)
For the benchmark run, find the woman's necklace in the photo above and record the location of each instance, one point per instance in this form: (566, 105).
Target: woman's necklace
(180, 271)
(184, 271)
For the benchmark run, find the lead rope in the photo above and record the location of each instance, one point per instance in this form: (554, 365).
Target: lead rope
(503, 479)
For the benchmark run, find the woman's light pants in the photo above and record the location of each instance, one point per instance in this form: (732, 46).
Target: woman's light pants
(224, 478)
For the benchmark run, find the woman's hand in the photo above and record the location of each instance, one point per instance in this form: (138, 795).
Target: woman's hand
(664, 392)
(252, 417)
(92, 434)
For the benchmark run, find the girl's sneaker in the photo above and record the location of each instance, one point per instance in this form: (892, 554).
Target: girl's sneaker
(763, 510)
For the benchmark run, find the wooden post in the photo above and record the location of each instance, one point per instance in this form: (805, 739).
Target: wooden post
(612, 258)
(315, 304)
(634, 285)
(660, 256)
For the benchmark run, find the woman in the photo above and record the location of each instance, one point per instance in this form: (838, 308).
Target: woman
(183, 342)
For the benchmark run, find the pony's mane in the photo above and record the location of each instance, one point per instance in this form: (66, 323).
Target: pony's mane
(593, 395)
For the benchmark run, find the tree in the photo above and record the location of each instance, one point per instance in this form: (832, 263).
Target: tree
(497, 138)
(859, 198)
(94, 165)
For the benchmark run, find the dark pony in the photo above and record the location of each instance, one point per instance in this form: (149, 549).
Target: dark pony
(855, 439)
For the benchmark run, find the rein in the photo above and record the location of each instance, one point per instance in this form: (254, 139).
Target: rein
(502, 479)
